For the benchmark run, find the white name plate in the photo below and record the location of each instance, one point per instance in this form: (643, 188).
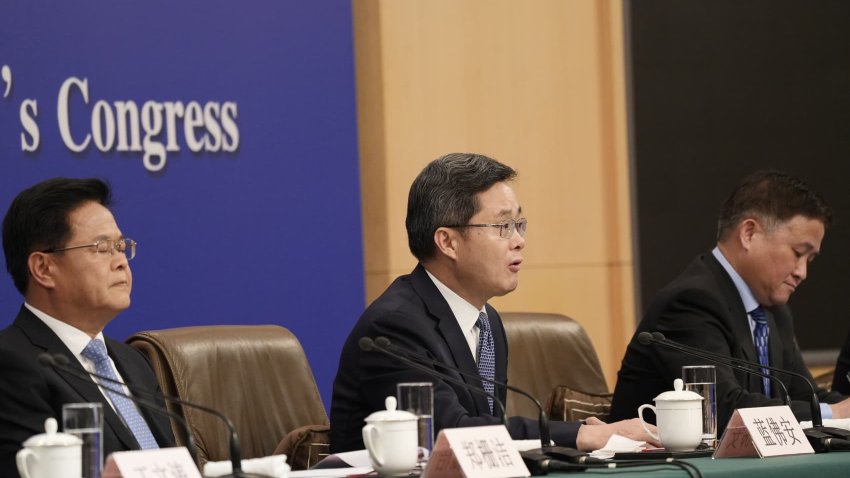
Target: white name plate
(763, 432)
(161, 463)
(475, 452)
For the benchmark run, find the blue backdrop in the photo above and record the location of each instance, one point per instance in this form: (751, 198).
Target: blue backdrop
(245, 200)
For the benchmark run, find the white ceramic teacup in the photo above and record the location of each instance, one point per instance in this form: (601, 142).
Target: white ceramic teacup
(51, 454)
(392, 438)
(678, 418)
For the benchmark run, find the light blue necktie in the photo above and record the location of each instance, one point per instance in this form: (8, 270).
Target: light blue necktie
(761, 334)
(96, 352)
(486, 356)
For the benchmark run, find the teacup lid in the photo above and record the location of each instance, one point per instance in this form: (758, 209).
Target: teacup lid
(390, 414)
(677, 394)
(51, 438)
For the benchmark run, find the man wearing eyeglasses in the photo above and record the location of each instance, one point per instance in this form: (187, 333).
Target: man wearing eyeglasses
(466, 228)
(70, 261)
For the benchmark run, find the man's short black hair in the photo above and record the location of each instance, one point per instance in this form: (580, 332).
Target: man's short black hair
(444, 193)
(774, 197)
(37, 220)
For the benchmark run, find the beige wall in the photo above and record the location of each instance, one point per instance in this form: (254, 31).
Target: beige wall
(538, 85)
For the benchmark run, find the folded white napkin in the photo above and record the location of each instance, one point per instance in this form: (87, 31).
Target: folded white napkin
(274, 466)
(830, 422)
(618, 443)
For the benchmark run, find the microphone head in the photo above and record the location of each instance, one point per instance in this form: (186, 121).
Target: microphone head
(366, 344)
(46, 360)
(61, 359)
(645, 338)
(658, 336)
(382, 342)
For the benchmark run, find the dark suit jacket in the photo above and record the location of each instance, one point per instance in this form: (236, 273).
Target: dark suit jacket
(840, 382)
(30, 393)
(415, 317)
(702, 309)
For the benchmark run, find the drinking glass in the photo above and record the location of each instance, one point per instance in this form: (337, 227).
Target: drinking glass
(702, 379)
(418, 399)
(85, 420)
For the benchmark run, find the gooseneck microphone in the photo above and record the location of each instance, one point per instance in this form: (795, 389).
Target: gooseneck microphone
(47, 360)
(61, 362)
(557, 453)
(646, 338)
(367, 344)
(543, 421)
(822, 438)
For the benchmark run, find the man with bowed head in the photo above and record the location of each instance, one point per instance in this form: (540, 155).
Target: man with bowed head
(733, 301)
(466, 228)
(70, 261)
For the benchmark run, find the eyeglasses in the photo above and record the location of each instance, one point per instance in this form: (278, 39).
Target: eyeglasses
(506, 229)
(106, 246)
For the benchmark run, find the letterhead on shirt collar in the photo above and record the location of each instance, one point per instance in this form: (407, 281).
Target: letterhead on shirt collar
(744, 291)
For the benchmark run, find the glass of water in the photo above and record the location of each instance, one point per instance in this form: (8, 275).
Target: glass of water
(418, 399)
(702, 379)
(85, 420)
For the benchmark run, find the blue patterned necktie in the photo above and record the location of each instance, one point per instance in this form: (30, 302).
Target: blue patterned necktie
(486, 356)
(96, 352)
(761, 335)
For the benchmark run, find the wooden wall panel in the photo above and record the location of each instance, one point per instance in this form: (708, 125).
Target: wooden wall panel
(538, 85)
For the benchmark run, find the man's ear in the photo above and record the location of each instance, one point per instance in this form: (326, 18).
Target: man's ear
(42, 268)
(747, 231)
(446, 241)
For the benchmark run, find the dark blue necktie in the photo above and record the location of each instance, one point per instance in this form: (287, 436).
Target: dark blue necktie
(760, 335)
(486, 356)
(96, 352)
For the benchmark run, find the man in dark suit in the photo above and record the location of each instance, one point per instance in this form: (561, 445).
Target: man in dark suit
(769, 231)
(465, 226)
(69, 260)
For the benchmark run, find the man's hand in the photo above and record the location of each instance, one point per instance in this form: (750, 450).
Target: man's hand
(594, 434)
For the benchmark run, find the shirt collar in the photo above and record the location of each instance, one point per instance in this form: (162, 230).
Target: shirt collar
(465, 313)
(744, 291)
(73, 338)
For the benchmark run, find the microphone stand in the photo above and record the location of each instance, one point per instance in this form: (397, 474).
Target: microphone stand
(367, 344)
(711, 357)
(543, 421)
(46, 360)
(822, 438)
(62, 362)
(531, 457)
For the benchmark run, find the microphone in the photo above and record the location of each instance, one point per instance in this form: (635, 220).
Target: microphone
(645, 338)
(554, 452)
(47, 360)
(367, 344)
(817, 422)
(62, 362)
(543, 421)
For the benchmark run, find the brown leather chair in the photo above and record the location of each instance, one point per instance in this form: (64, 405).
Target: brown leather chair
(257, 375)
(551, 355)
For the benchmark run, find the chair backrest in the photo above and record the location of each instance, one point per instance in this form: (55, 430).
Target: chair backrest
(545, 351)
(257, 375)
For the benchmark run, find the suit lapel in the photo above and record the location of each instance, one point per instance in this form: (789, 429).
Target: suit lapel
(452, 334)
(41, 336)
